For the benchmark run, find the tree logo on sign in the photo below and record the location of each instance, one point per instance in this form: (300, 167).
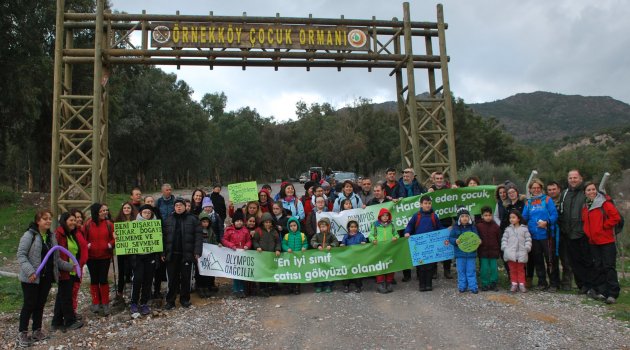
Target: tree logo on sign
(357, 38)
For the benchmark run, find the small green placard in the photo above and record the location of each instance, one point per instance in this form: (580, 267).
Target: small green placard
(138, 237)
(468, 242)
(243, 192)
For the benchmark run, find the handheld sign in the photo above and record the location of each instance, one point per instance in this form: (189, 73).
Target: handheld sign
(243, 192)
(138, 237)
(468, 242)
(430, 247)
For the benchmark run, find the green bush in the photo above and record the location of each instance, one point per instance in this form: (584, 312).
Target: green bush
(491, 174)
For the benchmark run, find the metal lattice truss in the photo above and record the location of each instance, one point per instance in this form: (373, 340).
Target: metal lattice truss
(79, 156)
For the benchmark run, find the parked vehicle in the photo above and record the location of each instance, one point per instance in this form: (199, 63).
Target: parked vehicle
(303, 178)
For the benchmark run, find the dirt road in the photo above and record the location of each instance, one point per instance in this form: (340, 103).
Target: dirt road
(405, 319)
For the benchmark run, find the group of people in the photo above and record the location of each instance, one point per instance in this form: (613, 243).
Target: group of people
(531, 234)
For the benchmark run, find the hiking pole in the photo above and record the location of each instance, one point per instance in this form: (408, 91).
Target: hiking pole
(602, 183)
(531, 177)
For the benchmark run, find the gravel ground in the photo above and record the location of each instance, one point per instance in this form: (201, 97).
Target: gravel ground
(406, 318)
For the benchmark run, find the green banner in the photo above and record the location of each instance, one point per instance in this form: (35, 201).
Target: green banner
(243, 192)
(308, 266)
(138, 237)
(444, 202)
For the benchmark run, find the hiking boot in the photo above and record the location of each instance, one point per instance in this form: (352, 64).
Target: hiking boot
(429, 288)
(78, 317)
(39, 335)
(358, 290)
(74, 325)
(145, 310)
(422, 288)
(514, 288)
(389, 288)
(346, 289)
(610, 300)
(318, 289)
(542, 287)
(484, 288)
(57, 327)
(381, 288)
(552, 289)
(106, 310)
(169, 306)
(134, 309)
(95, 308)
(595, 295)
(462, 290)
(187, 304)
(522, 288)
(328, 289)
(475, 291)
(447, 274)
(583, 290)
(24, 340)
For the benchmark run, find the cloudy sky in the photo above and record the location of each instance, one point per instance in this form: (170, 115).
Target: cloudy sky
(497, 48)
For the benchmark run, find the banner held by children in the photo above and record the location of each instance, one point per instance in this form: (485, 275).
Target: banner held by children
(430, 247)
(138, 237)
(306, 267)
(243, 192)
(444, 203)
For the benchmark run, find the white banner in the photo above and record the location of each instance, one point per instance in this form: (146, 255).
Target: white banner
(339, 221)
(224, 262)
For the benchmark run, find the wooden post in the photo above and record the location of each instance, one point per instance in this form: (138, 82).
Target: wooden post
(448, 103)
(57, 71)
(97, 105)
(412, 108)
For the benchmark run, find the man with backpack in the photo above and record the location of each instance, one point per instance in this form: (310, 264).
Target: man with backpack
(424, 221)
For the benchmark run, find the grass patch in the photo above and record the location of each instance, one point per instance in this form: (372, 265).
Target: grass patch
(14, 220)
(10, 294)
(115, 202)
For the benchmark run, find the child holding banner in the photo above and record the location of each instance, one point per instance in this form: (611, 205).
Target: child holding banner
(292, 242)
(237, 236)
(516, 244)
(465, 255)
(266, 239)
(324, 239)
(489, 250)
(209, 235)
(353, 237)
(384, 231)
(424, 221)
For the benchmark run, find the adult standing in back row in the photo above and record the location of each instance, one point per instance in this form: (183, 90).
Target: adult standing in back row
(571, 229)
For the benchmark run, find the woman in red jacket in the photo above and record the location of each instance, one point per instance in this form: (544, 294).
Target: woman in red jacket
(599, 217)
(99, 234)
(69, 237)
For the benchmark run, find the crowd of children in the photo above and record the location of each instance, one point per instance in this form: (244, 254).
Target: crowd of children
(521, 231)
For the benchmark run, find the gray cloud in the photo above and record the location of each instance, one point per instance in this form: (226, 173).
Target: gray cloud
(497, 48)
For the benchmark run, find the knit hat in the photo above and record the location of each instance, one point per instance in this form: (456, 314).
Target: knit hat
(145, 206)
(462, 211)
(207, 202)
(509, 184)
(266, 217)
(324, 220)
(179, 200)
(325, 185)
(204, 216)
(238, 215)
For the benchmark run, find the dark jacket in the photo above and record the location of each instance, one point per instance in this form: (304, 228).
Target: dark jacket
(268, 241)
(490, 235)
(375, 201)
(191, 236)
(219, 204)
(571, 203)
(310, 225)
(394, 192)
(416, 188)
(165, 206)
(519, 205)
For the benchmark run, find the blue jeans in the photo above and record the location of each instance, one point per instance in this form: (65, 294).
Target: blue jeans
(238, 286)
(467, 274)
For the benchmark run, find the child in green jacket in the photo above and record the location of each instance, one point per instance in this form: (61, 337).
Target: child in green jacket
(293, 241)
(384, 231)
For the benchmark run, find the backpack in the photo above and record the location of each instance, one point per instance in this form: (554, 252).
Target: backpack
(432, 220)
(618, 228)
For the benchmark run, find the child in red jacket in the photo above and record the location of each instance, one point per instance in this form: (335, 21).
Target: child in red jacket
(489, 250)
(237, 237)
